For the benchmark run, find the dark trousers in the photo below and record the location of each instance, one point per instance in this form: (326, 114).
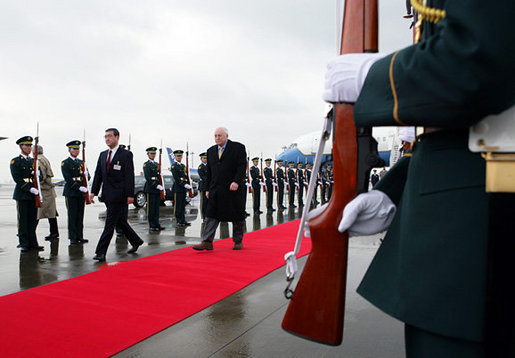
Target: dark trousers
(424, 344)
(212, 225)
(203, 204)
(113, 217)
(54, 229)
(300, 194)
(27, 223)
(329, 191)
(179, 205)
(269, 195)
(256, 196)
(323, 194)
(153, 203)
(280, 193)
(75, 206)
(125, 216)
(292, 194)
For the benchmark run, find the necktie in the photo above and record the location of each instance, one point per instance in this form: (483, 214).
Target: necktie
(220, 151)
(108, 160)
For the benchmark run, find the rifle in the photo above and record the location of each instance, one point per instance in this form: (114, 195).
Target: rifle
(317, 307)
(162, 192)
(85, 174)
(37, 185)
(262, 179)
(129, 146)
(275, 176)
(188, 180)
(248, 176)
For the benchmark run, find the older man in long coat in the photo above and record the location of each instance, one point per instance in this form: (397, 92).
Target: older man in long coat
(48, 209)
(226, 169)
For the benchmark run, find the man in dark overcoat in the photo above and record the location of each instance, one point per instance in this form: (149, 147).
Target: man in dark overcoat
(431, 270)
(115, 175)
(226, 190)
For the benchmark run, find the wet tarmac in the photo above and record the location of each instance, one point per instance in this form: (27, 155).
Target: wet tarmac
(245, 324)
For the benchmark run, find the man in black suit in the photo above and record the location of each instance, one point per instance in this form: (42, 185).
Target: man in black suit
(115, 174)
(226, 190)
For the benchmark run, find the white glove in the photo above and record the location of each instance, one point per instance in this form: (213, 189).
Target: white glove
(160, 187)
(274, 184)
(261, 183)
(313, 213)
(346, 74)
(367, 214)
(297, 184)
(83, 189)
(248, 185)
(187, 186)
(34, 191)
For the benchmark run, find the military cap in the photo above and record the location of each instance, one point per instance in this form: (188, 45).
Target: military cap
(25, 140)
(255, 158)
(299, 164)
(291, 162)
(151, 150)
(178, 152)
(268, 160)
(203, 155)
(279, 161)
(122, 146)
(75, 144)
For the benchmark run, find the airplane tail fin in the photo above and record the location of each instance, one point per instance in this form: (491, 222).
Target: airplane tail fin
(171, 157)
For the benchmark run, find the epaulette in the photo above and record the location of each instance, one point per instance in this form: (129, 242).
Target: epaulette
(144, 165)
(12, 162)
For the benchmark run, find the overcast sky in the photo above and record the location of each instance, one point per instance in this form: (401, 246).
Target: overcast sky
(170, 70)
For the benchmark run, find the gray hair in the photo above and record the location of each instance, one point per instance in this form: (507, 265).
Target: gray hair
(40, 149)
(223, 129)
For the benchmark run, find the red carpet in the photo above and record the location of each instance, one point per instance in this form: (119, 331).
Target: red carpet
(104, 312)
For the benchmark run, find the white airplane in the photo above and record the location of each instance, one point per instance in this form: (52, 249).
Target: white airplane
(303, 148)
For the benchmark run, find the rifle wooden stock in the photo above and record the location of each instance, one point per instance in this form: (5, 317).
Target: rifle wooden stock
(84, 174)
(36, 169)
(188, 180)
(316, 310)
(248, 176)
(162, 194)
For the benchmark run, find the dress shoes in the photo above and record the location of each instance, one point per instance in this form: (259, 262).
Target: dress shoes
(204, 245)
(257, 212)
(293, 206)
(83, 241)
(38, 248)
(161, 228)
(237, 246)
(74, 242)
(134, 248)
(247, 214)
(154, 229)
(271, 209)
(51, 236)
(186, 223)
(99, 257)
(24, 249)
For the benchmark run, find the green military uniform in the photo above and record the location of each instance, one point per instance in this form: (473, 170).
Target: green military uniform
(22, 171)
(430, 271)
(300, 187)
(152, 175)
(202, 186)
(73, 171)
(179, 190)
(280, 186)
(255, 176)
(269, 182)
(291, 183)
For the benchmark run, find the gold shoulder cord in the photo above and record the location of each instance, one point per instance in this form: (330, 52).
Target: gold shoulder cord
(425, 13)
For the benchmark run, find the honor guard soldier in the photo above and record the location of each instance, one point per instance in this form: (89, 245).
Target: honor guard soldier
(308, 173)
(74, 192)
(255, 176)
(152, 188)
(280, 185)
(125, 208)
(22, 171)
(269, 182)
(202, 186)
(180, 187)
(330, 181)
(300, 186)
(292, 183)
